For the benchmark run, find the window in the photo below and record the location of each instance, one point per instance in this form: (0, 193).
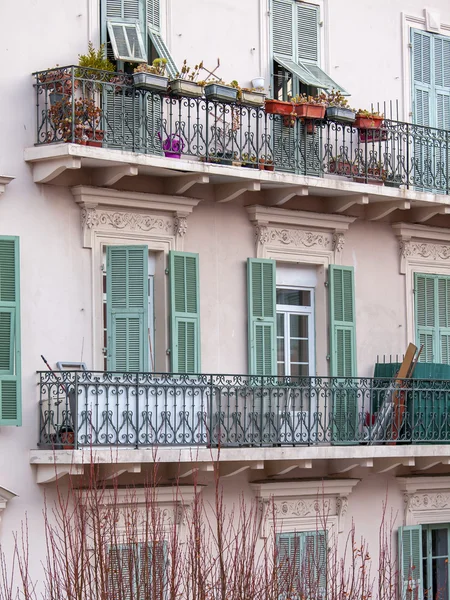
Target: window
(128, 310)
(295, 332)
(424, 561)
(10, 371)
(432, 317)
(138, 570)
(430, 79)
(278, 326)
(302, 559)
(296, 47)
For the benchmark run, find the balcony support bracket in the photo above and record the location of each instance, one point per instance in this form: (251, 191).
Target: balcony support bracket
(53, 472)
(225, 192)
(115, 470)
(342, 203)
(175, 186)
(278, 197)
(423, 214)
(273, 468)
(346, 465)
(384, 465)
(46, 170)
(379, 210)
(108, 176)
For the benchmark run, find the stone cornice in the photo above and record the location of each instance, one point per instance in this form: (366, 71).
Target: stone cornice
(315, 487)
(426, 499)
(265, 215)
(422, 244)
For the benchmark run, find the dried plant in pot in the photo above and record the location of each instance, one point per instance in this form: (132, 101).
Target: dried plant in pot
(185, 83)
(151, 77)
(279, 107)
(338, 108)
(309, 107)
(219, 91)
(76, 122)
(367, 119)
(249, 96)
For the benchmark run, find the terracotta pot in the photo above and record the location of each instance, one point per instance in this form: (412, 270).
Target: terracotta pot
(310, 111)
(368, 122)
(269, 167)
(67, 439)
(95, 138)
(373, 135)
(277, 107)
(340, 167)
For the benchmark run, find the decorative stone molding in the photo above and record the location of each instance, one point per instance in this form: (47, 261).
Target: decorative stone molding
(298, 235)
(5, 497)
(419, 244)
(302, 505)
(135, 213)
(426, 499)
(4, 182)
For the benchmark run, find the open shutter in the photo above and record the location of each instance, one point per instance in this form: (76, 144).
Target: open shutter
(314, 563)
(261, 316)
(425, 309)
(410, 562)
(127, 307)
(10, 371)
(307, 32)
(342, 323)
(185, 312)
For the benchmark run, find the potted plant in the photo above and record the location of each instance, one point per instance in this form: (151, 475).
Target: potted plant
(279, 107)
(77, 123)
(249, 161)
(58, 82)
(367, 119)
(93, 63)
(249, 96)
(309, 107)
(269, 166)
(185, 82)
(375, 174)
(219, 91)
(151, 77)
(341, 165)
(338, 108)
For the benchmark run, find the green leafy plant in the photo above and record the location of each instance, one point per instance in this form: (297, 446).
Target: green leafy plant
(158, 67)
(96, 60)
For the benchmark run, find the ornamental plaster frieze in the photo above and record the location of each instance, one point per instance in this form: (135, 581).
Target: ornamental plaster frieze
(292, 234)
(426, 499)
(421, 245)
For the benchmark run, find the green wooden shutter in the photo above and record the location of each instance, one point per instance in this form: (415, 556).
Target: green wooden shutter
(185, 312)
(307, 32)
(425, 313)
(421, 76)
(154, 14)
(261, 278)
(342, 322)
(443, 301)
(124, 9)
(283, 28)
(289, 547)
(10, 358)
(314, 562)
(410, 562)
(127, 307)
(153, 561)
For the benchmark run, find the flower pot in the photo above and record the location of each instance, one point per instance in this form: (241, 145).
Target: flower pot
(368, 122)
(183, 87)
(94, 138)
(225, 158)
(150, 82)
(252, 98)
(369, 179)
(338, 113)
(258, 82)
(341, 167)
(55, 97)
(67, 437)
(220, 93)
(309, 111)
(269, 167)
(278, 107)
(373, 135)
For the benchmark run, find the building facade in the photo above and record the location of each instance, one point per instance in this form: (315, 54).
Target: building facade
(215, 281)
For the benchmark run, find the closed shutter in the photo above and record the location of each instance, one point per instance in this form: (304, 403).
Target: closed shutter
(284, 145)
(443, 298)
(315, 563)
(283, 28)
(342, 323)
(153, 124)
(185, 312)
(152, 570)
(122, 568)
(422, 75)
(426, 322)
(124, 9)
(10, 362)
(307, 32)
(124, 119)
(410, 562)
(261, 316)
(153, 14)
(127, 307)
(289, 562)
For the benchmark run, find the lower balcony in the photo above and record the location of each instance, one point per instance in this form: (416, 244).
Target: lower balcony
(99, 409)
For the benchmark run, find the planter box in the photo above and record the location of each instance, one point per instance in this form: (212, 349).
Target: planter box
(343, 115)
(373, 135)
(309, 111)
(340, 167)
(252, 98)
(94, 138)
(277, 107)
(368, 122)
(150, 81)
(220, 93)
(362, 179)
(182, 87)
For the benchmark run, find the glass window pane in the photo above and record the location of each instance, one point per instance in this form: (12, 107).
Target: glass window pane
(280, 324)
(298, 326)
(281, 369)
(439, 542)
(280, 349)
(294, 297)
(300, 370)
(440, 578)
(299, 351)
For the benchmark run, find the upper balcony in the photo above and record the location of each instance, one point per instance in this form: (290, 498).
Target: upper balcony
(95, 127)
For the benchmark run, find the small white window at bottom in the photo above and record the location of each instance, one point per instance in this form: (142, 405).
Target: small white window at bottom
(127, 43)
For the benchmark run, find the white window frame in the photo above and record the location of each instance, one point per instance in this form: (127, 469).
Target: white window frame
(300, 310)
(126, 25)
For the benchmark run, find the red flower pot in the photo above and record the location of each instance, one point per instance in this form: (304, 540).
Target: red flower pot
(368, 122)
(310, 111)
(277, 107)
(95, 138)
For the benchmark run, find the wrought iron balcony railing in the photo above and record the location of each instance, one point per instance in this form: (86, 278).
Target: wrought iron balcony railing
(92, 107)
(85, 408)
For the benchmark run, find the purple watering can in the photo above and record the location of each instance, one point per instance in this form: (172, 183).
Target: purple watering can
(173, 146)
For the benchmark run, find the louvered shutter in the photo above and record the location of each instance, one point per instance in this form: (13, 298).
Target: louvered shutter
(425, 309)
(152, 570)
(153, 14)
(127, 307)
(442, 83)
(123, 561)
(289, 554)
(342, 323)
(307, 32)
(10, 362)
(124, 9)
(422, 75)
(283, 28)
(124, 117)
(410, 562)
(185, 312)
(443, 298)
(314, 563)
(261, 291)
